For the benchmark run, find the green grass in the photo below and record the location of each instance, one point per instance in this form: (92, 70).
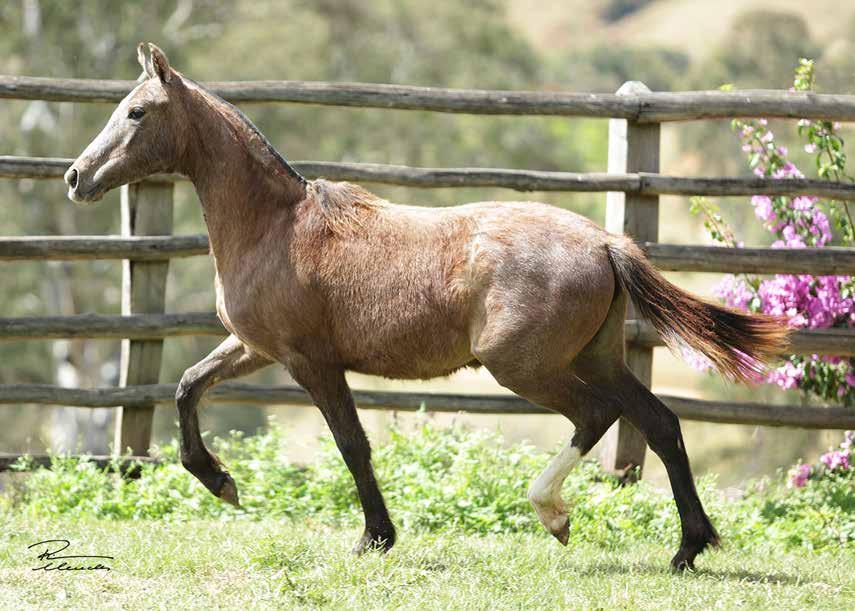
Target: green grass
(268, 564)
(467, 536)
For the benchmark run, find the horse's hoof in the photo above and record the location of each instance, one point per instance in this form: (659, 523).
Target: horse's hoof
(682, 563)
(691, 547)
(372, 543)
(555, 521)
(563, 533)
(228, 491)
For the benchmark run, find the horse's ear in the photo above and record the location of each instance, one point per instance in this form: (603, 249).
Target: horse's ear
(145, 63)
(160, 63)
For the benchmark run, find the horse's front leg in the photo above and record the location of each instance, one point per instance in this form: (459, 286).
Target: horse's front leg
(231, 359)
(330, 392)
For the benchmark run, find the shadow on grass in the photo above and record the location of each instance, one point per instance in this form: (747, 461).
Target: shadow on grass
(735, 575)
(751, 577)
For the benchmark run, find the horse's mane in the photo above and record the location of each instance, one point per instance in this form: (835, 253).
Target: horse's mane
(250, 126)
(344, 205)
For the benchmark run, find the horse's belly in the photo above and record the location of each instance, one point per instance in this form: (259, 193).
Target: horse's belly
(417, 354)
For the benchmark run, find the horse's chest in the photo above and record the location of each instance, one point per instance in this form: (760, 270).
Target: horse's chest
(263, 314)
(241, 315)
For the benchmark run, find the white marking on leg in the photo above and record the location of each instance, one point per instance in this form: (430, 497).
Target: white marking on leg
(545, 491)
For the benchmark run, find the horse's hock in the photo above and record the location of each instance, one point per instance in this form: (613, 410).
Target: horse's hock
(633, 185)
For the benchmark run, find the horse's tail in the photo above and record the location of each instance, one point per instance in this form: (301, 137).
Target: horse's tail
(737, 344)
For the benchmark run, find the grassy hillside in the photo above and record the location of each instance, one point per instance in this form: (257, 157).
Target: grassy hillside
(693, 26)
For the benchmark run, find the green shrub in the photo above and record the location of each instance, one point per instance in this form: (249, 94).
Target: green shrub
(435, 480)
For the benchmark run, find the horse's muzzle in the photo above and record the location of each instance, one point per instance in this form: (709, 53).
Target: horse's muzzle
(76, 192)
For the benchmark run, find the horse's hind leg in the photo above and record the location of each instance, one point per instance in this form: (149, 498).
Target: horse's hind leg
(661, 428)
(592, 418)
(593, 403)
(581, 388)
(231, 359)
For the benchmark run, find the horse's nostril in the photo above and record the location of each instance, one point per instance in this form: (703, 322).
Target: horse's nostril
(72, 179)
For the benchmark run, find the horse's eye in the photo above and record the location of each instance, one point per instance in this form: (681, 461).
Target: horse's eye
(136, 113)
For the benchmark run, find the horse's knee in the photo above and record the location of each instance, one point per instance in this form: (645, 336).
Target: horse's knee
(189, 391)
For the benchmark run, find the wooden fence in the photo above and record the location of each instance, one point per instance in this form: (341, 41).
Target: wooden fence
(633, 184)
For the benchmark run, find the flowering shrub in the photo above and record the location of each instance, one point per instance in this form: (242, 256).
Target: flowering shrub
(834, 463)
(796, 222)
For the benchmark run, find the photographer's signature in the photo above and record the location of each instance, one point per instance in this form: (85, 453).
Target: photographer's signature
(51, 560)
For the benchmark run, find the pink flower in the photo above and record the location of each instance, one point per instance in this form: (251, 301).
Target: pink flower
(803, 202)
(791, 238)
(804, 301)
(787, 376)
(763, 209)
(734, 292)
(789, 170)
(820, 222)
(836, 459)
(799, 476)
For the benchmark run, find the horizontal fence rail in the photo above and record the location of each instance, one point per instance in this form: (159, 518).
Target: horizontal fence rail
(643, 108)
(826, 261)
(107, 326)
(839, 342)
(82, 248)
(667, 257)
(518, 180)
(692, 409)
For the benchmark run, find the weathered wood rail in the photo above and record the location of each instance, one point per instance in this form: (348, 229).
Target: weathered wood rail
(641, 183)
(650, 107)
(633, 183)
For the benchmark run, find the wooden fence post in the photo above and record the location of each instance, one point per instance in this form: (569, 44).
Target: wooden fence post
(146, 210)
(633, 147)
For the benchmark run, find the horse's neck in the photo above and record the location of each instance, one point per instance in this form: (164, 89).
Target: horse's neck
(243, 193)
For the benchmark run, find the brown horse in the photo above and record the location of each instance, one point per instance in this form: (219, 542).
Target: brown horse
(325, 278)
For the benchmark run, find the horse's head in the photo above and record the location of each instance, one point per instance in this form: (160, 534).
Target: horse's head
(145, 134)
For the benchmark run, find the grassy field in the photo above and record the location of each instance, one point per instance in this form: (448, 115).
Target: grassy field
(269, 564)
(468, 537)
